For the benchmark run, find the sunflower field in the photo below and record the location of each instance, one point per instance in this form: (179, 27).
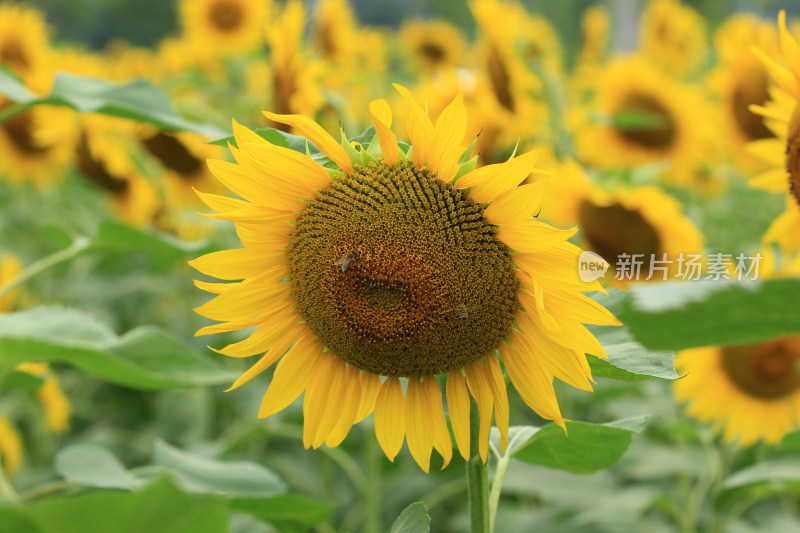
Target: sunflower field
(362, 267)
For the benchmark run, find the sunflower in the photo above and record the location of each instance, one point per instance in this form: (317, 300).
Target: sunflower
(106, 159)
(641, 116)
(641, 220)
(673, 36)
(369, 279)
(10, 446)
(24, 43)
(741, 80)
(225, 27)
(10, 267)
(55, 404)
(433, 44)
(748, 392)
(782, 153)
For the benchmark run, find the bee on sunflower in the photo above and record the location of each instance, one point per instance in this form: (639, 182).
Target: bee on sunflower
(429, 233)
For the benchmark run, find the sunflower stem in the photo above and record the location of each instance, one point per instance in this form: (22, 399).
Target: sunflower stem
(6, 488)
(80, 244)
(372, 520)
(477, 479)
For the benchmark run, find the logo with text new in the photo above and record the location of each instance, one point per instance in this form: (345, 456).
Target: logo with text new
(591, 266)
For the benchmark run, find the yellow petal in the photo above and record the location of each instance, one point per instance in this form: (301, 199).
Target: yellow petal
(348, 409)
(288, 165)
(516, 205)
(370, 385)
(273, 354)
(438, 424)
(292, 375)
(420, 129)
(497, 384)
(239, 181)
(264, 336)
(239, 263)
(390, 417)
(335, 401)
(489, 182)
(483, 397)
(381, 115)
(419, 434)
(247, 299)
(315, 400)
(317, 135)
(450, 129)
(458, 407)
(213, 288)
(532, 236)
(221, 204)
(789, 46)
(534, 386)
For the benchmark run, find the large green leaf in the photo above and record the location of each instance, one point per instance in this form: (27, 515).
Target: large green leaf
(138, 100)
(413, 519)
(194, 473)
(776, 470)
(144, 358)
(114, 236)
(92, 466)
(289, 513)
(680, 315)
(627, 359)
(160, 508)
(586, 448)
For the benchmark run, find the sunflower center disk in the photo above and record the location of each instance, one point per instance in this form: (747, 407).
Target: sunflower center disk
(19, 129)
(382, 260)
(614, 230)
(767, 370)
(14, 55)
(647, 122)
(226, 15)
(173, 155)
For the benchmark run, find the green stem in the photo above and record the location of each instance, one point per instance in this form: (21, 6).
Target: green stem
(372, 495)
(477, 479)
(80, 244)
(6, 488)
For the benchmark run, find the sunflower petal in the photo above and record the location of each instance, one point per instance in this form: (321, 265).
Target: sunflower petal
(497, 384)
(314, 133)
(349, 408)
(292, 375)
(390, 417)
(441, 435)
(489, 182)
(370, 385)
(458, 406)
(418, 433)
(516, 205)
(381, 115)
(483, 397)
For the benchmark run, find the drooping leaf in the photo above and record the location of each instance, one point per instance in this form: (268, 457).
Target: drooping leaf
(92, 466)
(688, 314)
(115, 236)
(144, 358)
(413, 519)
(236, 479)
(289, 513)
(16, 379)
(587, 449)
(777, 470)
(138, 100)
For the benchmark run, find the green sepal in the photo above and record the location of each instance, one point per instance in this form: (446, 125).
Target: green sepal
(466, 168)
(349, 149)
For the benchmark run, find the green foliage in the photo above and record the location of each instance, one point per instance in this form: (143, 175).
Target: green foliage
(92, 466)
(413, 519)
(145, 358)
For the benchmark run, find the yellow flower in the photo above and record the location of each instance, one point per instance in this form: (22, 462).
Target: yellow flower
(595, 23)
(25, 44)
(10, 446)
(366, 281)
(641, 220)
(225, 27)
(10, 267)
(741, 80)
(57, 407)
(433, 44)
(748, 392)
(782, 153)
(673, 36)
(641, 116)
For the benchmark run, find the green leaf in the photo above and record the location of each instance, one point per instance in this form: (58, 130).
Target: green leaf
(144, 358)
(138, 100)
(114, 236)
(160, 508)
(627, 359)
(200, 474)
(587, 448)
(288, 513)
(91, 466)
(16, 379)
(711, 313)
(784, 470)
(413, 519)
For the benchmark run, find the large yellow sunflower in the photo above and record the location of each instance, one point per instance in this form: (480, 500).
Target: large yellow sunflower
(366, 281)
(741, 80)
(673, 36)
(225, 27)
(642, 220)
(782, 153)
(641, 116)
(748, 392)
